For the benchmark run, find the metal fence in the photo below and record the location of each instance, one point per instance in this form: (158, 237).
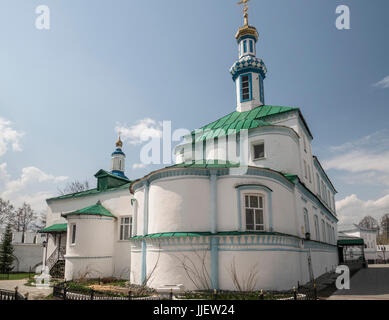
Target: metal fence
(11, 295)
(7, 274)
(63, 292)
(308, 292)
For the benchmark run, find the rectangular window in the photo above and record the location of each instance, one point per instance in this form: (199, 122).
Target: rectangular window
(244, 46)
(251, 46)
(125, 228)
(318, 183)
(306, 221)
(305, 170)
(323, 227)
(305, 144)
(73, 229)
(309, 173)
(259, 151)
(317, 228)
(245, 81)
(253, 205)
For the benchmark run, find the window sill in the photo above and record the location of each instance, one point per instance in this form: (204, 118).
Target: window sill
(258, 159)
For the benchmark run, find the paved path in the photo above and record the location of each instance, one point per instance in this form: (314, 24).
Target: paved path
(33, 292)
(367, 284)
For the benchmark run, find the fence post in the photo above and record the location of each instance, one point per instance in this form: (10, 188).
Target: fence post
(129, 295)
(16, 293)
(294, 293)
(64, 292)
(171, 294)
(92, 293)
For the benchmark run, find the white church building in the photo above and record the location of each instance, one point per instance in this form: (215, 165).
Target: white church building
(246, 199)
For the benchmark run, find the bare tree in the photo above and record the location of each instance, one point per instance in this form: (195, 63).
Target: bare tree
(147, 281)
(6, 211)
(385, 225)
(369, 222)
(74, 187)
(23, 218)
(196, 269)
(248, 281)
(39, 222)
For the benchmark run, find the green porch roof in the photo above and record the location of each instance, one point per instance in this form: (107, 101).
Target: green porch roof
(61, 227)
(95, 210)
(240, 120)
(351, 242)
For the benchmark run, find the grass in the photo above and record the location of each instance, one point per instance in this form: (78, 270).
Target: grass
(234, 295)
(15, 276)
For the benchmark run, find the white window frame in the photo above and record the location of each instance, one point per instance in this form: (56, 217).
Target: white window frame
(130, 226)
(264, 216)
(73, 234)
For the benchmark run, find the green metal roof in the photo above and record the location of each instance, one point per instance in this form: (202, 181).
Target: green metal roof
(290, 177)
(89, 192)
(203, 234)
(62, 227)
(95, 210)
(207, 164)
(240, 120)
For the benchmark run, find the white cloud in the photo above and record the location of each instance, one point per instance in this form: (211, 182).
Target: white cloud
(19, 190)
(352, 209)
(141, 132)
(138, 166)
(9, 136)
(364, 160)
(384, 83)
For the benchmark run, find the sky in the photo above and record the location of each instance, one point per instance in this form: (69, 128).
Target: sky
(108, 66)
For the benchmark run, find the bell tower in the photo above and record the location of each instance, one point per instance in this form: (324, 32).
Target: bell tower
(118, 160)
(248, 72)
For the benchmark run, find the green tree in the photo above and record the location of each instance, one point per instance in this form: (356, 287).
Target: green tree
(6, 251)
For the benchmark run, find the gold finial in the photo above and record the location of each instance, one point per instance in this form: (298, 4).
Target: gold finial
(245, 8)
(119, 143)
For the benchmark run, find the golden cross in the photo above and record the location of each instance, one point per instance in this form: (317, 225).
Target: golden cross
(245, 8)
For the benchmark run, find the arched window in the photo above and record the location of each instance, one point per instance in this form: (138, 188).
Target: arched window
(253, 205)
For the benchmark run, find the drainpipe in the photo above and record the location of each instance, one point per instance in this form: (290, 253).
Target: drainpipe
(213, 200)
